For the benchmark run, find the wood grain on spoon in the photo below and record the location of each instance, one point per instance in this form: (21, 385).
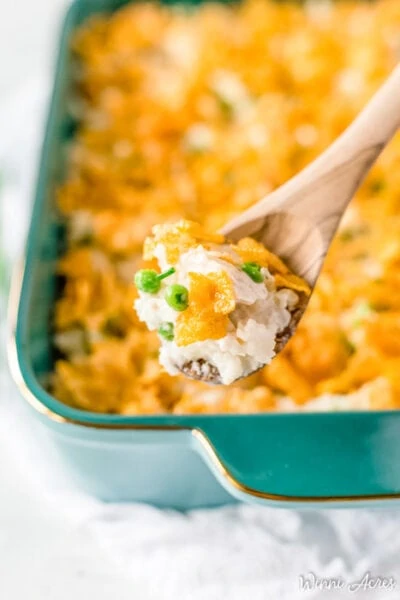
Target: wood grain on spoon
(298, 220)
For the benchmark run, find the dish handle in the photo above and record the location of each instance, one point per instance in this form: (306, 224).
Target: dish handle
(333, 459)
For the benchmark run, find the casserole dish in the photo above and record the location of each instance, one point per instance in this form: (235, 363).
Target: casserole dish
(180, 461)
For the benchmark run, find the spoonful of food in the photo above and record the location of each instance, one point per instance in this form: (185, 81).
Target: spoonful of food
(225, 304)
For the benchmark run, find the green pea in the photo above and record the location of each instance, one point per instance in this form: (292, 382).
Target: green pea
(166, 331)
(149, 281)
(177, 296)
(146, 280)
(253, 270)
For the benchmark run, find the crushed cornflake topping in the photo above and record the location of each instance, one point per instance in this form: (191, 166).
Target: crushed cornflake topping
(199, 324)
(250, 250)
(177, 238)
(139, 158)
(214, 289)
(211, 298)
(293, 282)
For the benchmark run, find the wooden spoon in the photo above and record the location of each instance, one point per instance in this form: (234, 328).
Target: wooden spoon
(298, 220)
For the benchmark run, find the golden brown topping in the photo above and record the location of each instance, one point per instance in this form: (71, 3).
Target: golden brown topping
(177, 238)
(293, 282)
(252, 251)
(199, 324)
(213, 289)
(300, 78)
(211, 299)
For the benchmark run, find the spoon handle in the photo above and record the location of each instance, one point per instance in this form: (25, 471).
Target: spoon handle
(375, 125)
(347, 161)
(321, 192)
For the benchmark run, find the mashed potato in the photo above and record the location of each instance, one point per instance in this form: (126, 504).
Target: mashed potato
(233, 311)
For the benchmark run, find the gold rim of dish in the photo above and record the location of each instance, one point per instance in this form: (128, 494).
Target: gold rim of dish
(197, 434)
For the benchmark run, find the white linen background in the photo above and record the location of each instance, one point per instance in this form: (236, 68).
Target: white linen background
(235, 551)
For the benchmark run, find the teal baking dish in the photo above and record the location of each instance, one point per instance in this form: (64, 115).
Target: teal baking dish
(296, 460)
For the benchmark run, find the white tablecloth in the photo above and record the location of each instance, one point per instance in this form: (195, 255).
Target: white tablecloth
(136, 551)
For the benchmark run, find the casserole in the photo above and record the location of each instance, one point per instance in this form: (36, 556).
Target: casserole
(181, 461)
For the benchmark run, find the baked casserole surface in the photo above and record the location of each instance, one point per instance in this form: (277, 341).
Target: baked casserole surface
(197, 114)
